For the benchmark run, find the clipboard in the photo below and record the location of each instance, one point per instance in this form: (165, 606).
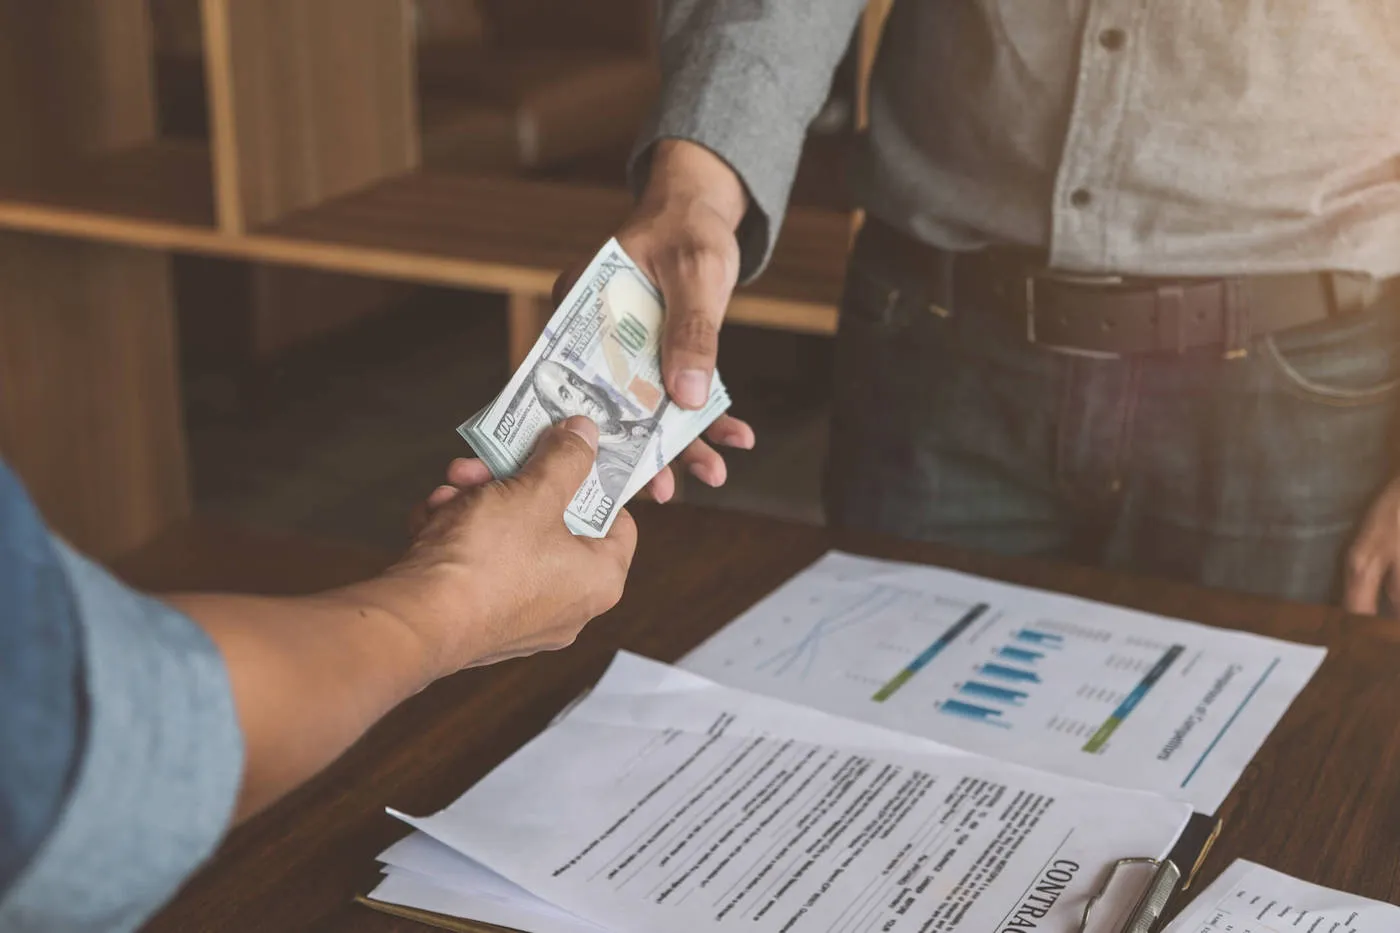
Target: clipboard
(1171, 877)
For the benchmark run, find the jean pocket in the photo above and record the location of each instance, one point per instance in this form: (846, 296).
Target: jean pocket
(870, 301)
(1345, 363)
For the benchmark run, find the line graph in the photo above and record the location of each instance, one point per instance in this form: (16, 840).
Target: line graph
(854, 612)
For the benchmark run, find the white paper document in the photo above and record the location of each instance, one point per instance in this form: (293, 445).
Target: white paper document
(1250, 898)
(664, 801)
(424, 874)
(1062, 684)
(402, 888)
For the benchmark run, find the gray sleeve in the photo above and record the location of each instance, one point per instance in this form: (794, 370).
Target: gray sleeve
(744, 78)
(159, 773)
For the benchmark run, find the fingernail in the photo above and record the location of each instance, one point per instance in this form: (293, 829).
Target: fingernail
(692, 387)
(739, 441)
(706, 476)
(584, 428)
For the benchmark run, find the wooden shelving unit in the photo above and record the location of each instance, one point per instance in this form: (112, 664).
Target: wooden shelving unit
(313, 160)
(163, 181)
(494, 234)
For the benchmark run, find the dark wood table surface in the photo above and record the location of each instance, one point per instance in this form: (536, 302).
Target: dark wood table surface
(1321, 800)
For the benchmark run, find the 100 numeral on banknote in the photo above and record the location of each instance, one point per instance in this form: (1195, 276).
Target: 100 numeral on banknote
(600, 357)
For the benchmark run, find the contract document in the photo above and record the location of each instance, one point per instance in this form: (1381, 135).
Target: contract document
(1049, 681)
(664, 801)
(1250, 898)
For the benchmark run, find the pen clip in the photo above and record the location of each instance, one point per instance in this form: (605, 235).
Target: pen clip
(1150, 905)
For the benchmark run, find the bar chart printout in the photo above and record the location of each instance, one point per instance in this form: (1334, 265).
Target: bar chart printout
(1249, 898)
(1046, 680)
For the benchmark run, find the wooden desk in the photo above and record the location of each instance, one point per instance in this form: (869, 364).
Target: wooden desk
(1321, 801)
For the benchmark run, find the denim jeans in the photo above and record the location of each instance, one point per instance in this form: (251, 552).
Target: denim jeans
(1251, 474)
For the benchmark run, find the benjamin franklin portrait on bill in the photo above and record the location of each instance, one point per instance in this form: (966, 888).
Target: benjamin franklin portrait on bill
(621, 442)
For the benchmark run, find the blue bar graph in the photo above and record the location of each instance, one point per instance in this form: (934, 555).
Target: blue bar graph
(929, 653)
(1131, 701)
(1024, 655)
(971, 711)
(1002, 672)
(992, 692)
(1044, 639)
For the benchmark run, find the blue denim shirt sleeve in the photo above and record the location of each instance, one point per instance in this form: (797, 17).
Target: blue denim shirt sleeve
(42, 710)
(149, 772)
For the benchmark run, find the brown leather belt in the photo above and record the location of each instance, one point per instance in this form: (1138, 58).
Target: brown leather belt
(1122, 315)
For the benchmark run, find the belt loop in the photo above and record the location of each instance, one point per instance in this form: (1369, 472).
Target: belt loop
(1350, 292)
(1171, 316)
(1237, 320)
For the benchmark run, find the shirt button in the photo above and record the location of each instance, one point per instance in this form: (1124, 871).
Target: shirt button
(1113, 39)
(1081, 197)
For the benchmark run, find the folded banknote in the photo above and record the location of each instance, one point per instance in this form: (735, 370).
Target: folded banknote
(599, 356)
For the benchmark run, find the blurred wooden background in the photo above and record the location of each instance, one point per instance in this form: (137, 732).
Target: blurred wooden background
(238, 177)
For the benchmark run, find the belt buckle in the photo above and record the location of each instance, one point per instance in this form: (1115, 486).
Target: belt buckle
(1051, 275)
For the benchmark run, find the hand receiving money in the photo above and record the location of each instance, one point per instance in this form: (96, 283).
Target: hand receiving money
(599, 357)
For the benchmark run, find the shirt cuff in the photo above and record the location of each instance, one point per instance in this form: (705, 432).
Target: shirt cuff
(160, 771)
(729, 102)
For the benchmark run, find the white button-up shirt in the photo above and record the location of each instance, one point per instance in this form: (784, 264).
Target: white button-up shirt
(1153, 137)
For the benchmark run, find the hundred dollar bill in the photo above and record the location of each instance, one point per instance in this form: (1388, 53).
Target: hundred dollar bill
(599, 356)
(677, 430)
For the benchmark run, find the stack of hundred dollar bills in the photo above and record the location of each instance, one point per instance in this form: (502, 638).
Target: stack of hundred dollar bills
(599, 356)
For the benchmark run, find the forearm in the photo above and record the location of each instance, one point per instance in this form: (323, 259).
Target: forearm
(309, 676)
(744, 81)
(493, 574)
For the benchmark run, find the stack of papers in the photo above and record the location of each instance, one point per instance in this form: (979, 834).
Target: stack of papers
(672, 799)
(667, 802)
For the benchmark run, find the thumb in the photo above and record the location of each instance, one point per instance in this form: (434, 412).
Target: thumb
(562, 459)
(697, 290)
